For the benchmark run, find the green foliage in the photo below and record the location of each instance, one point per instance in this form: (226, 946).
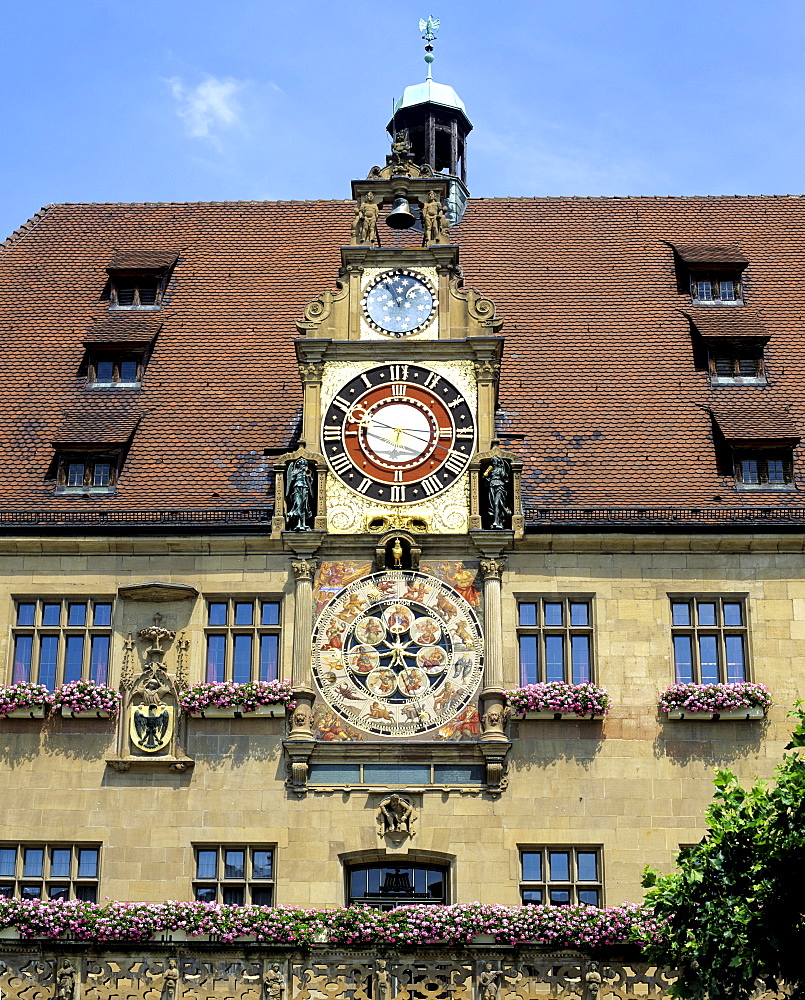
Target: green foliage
(733, 912)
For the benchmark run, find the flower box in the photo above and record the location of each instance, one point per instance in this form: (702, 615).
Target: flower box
(28, 712)
(234, 712)
(557, 700)
(227, 700)
(85, 713)
(556, 715)
(9, 934)
(732, 715)
(84, 698)
(738, 700)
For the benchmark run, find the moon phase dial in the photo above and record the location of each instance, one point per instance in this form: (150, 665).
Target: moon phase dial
(398, 434)
(399, 303)
(398, 653)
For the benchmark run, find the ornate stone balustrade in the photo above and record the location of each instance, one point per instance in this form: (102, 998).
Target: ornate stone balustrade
(195, 969)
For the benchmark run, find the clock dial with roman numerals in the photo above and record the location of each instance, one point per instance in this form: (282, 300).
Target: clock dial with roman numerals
(398, 434)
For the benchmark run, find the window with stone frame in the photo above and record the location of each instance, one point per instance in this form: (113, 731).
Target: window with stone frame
(235, 874)
(555, 639)
(243, 639)
(561, 876)
(386, 886)
(49, 871)
(55, 641)
(710, 639)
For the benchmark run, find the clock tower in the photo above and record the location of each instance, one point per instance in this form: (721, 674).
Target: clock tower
(398, 502)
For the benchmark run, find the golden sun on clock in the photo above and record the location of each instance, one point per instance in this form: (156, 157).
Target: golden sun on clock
(398, 433)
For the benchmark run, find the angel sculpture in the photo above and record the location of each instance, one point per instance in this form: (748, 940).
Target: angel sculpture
(151, 723)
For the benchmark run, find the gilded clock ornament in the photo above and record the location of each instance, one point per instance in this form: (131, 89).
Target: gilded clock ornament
(398, 653)
(399, 303)
(398, 434)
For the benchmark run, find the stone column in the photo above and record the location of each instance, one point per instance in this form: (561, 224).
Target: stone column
(304, 692)
(493, 715)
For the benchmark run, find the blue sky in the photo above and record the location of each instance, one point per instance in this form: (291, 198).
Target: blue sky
(181, 101)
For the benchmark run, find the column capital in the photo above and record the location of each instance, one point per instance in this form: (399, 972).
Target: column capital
(303, 569)
(492, 569)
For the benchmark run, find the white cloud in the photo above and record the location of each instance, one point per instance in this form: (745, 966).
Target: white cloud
(210, 106)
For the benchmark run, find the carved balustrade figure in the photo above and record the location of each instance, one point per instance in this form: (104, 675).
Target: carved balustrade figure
(65, 981)
(170, 981)
(274, 983)
(382, 981)
(488, 983)
(593, 981)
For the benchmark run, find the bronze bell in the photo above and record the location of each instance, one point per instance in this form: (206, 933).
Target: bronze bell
(400, 216)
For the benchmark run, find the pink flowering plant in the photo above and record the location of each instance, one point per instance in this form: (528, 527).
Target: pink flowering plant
(84, 696)
(23, 695)
(559, 696)
(577, 926)
(242, 697)
(715, 698)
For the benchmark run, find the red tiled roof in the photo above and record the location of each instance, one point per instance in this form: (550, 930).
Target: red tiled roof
(599, 370)
(731, 322)
(91, 426)
(702, 253)
(741, 424)
(125, 328)
(142, 260)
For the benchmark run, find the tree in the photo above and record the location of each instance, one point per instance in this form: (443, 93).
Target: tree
(734, 912)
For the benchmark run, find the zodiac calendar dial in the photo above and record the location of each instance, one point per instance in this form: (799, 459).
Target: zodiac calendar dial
(398, 433)
(398, 653)
(399, 303)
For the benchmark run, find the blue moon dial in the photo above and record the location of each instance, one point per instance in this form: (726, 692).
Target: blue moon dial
(399, 303)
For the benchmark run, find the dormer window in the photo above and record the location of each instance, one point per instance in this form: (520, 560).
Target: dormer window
(713, 273)
(137, 279)
(760, 445)
(90, 450)
(734, 341)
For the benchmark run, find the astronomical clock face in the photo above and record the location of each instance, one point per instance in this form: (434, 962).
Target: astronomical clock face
(399, 303)
(398, 434)
(398, 653)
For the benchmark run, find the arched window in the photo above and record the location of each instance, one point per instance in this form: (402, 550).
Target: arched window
(386, 886)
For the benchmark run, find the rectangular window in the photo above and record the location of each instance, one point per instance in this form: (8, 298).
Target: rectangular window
(716, 288)
(243, 639)
(234, 874)
(709, 639)
(555, 638)
(137, 290)
(736, 361)
(60, 641)
(764, 469)
(110, 370)
(559, 876)
(87, 473)
(49, 871)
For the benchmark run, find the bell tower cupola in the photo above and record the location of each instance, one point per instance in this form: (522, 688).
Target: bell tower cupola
(433, 118)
